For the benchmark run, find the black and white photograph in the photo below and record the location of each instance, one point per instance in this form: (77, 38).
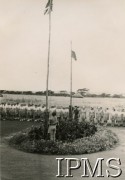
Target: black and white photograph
(62, 89)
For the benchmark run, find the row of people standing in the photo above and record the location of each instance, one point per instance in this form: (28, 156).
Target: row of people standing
(21, 111)
(31, 112)
(103, 116)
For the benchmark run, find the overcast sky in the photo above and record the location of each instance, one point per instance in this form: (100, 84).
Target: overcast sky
(97, 31)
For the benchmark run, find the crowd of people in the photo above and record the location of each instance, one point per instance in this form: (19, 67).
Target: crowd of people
(28, 112)
(31, 112)
(103, 116)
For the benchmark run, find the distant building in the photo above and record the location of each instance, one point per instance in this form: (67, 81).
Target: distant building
(63, 92)
(77, 95)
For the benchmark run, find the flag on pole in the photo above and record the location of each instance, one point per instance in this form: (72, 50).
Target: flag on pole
(49, 7)
(73, 55)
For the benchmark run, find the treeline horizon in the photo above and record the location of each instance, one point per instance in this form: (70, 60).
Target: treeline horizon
(52, 93)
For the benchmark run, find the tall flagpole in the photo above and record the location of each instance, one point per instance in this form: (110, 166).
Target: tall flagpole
(48, 62)
(71, 77)
(48, 10)
(70, 110)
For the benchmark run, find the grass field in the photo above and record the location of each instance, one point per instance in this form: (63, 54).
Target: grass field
(18, 165)
(64, 101)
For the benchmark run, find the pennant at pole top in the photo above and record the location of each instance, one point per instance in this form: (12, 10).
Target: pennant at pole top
(49, 7)
(73, 55)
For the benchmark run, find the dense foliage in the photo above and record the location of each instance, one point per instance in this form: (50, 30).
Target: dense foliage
(70, 130)
(102, 140)
(72, 138)
(67, 131)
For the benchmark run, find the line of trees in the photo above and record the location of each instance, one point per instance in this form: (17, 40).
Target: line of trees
(83, 92)
(104, 95)
(27, 92)
(42, 93)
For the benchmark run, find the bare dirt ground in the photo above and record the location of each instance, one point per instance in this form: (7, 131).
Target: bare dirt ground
(18, 165)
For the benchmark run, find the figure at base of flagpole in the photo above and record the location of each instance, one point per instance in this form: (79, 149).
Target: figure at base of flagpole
(52, 126)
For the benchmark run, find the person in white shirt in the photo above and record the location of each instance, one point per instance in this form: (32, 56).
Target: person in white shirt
(82, 114)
